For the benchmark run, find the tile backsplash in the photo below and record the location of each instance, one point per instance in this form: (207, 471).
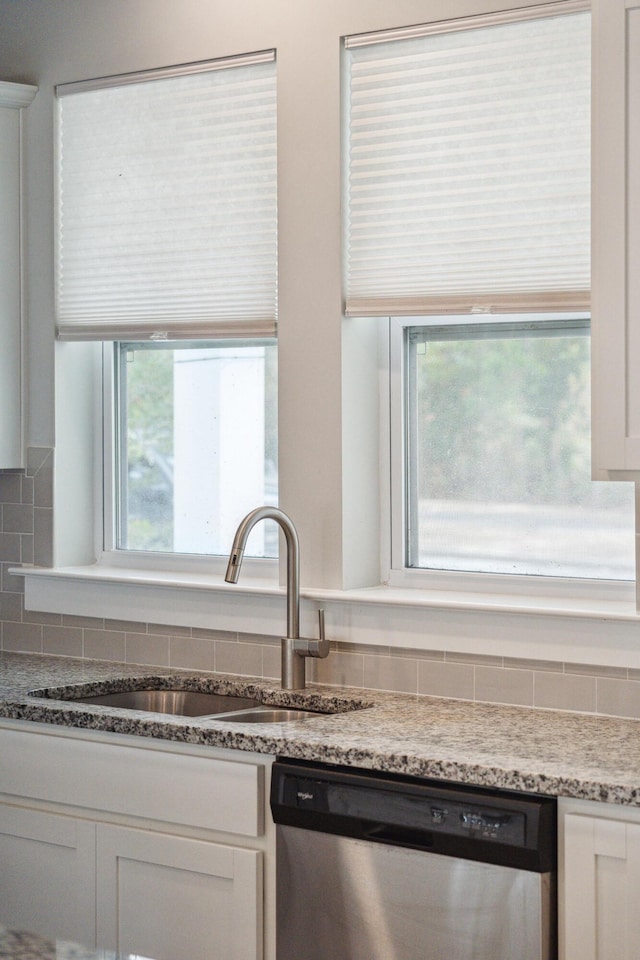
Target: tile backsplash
(26, 536)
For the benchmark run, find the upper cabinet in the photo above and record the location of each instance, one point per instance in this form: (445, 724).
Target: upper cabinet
(13, 98)
(616, 239)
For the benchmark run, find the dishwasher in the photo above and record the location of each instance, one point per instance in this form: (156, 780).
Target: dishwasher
(377, 866)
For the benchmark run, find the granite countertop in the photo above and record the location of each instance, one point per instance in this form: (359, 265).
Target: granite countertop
(520, 748)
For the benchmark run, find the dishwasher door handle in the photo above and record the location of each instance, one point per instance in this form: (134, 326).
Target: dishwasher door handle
(398, 835)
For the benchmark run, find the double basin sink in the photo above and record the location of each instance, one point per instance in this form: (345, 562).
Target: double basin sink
(192, 703)
(197, 704)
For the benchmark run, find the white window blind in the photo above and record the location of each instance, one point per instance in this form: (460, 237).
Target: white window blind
(468, 166)
(167, 203)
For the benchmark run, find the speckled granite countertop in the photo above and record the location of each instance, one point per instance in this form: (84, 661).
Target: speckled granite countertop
(543, 751)
(20, 945)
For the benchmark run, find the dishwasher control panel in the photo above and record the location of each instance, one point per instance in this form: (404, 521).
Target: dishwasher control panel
(421, 812)
(454, 820)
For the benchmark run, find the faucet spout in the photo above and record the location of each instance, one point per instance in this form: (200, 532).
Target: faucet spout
(293, 669)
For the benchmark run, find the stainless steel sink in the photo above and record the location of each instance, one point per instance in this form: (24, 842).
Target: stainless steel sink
(197, 704)
(178, 703)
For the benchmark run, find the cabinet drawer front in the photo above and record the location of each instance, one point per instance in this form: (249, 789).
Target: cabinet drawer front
(192, 789)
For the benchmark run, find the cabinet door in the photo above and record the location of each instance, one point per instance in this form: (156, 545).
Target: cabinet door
(615, 332)
(47, 874)
(174, 898)
(601, 889)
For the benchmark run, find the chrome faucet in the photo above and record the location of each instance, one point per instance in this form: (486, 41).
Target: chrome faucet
(294, 648)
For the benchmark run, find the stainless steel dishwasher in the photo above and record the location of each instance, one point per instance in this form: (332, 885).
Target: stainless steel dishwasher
(372, 866)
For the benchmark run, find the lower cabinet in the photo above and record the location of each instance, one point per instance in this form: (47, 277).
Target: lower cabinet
(47, 874)
(91, 857)
(173, 898)
(599, 881)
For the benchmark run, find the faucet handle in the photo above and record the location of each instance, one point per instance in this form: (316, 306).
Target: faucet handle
(320, 648)
(314, 648)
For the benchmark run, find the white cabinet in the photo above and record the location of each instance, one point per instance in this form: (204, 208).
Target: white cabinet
(13, 98)
(155, 849)
(47, 874)
(174, 898)
(599, 882)
(615, 333)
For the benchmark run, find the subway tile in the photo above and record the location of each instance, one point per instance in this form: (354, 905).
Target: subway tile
(11, 607)
(191, 653)
(259, 638)
(271, 665)
(343, 669)
(522, 663)
(26, 547)
(126, 626)
(36, 457)
(73, 620)
(414, 654)
(26, 494)
(104, 645)
(479, 659)
(206, 633)
(36, 616)
(241, 658)
(22, 637)
(376, 650)
(586, 669)
(11, 582)
(43, 536)
(43, 484)
(62, 641)
(560, 691)
(391, 673)
(497, 685)
(446, 679)
(168, 630)
(146, 648)
(17, 518)
(364, 648)
(10, 547)
(618, 698)
(10, 487)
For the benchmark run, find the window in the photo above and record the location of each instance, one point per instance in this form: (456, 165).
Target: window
(497, 453)
(468, 220)
(167, 245)
(196, 444)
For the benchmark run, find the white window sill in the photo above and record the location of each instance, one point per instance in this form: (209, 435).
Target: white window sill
(622, 607)
(585, 630)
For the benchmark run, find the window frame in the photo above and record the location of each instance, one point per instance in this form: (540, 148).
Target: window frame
(261, 568)
(395, 572)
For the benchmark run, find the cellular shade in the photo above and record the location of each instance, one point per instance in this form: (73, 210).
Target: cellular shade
(167, 203)
(468, 166)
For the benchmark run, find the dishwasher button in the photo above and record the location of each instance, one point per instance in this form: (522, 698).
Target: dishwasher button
(472, 821)
(438, 815)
